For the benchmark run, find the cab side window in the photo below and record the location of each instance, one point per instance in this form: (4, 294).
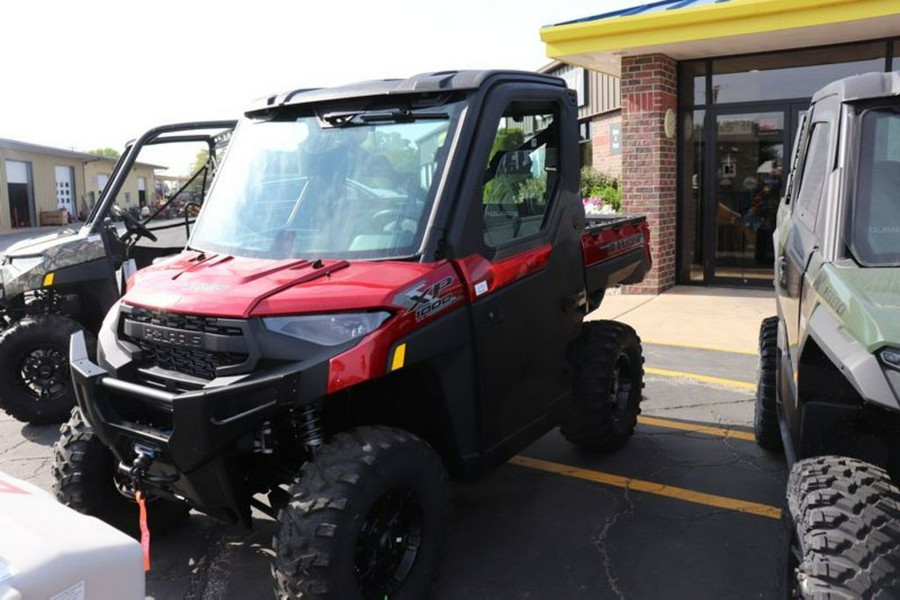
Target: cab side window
(815, 171)
(521, 171)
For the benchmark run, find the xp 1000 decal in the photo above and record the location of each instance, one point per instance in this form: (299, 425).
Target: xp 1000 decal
(426, 299)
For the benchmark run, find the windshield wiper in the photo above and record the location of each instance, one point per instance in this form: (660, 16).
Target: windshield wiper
(345, 119)
(403, 116)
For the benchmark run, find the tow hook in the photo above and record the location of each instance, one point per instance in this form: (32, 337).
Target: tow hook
(137, 470)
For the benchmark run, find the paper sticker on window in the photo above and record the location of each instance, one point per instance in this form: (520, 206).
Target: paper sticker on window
(76, 592)
(6, 570)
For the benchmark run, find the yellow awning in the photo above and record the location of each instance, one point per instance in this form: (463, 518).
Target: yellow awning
(685, 31)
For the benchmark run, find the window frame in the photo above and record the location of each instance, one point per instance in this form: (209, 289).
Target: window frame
(551, 191)
(807, 212)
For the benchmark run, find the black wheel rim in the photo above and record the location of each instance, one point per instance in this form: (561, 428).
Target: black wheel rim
(44, 372)
(620, 392)
(388, 543)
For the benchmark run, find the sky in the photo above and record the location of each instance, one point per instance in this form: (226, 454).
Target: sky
(95, 73)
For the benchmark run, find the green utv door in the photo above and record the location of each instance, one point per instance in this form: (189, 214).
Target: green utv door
(798, 240)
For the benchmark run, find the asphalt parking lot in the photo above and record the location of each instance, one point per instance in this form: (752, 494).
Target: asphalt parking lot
(689, 508)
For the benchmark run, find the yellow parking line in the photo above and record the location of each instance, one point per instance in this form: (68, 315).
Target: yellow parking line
(744, 385)
(699, 347)
(718, 431)
(743, 506)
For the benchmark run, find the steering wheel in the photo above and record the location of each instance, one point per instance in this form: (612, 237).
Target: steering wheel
(388, 216)
(133, 225)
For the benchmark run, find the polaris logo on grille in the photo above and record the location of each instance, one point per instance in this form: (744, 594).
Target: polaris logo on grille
(173, 337)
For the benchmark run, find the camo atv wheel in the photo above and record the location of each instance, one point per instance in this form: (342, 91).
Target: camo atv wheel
(765, 415)
(609, 382)
(87, 480)
(367, 519)
(34, 369)
(842, 531)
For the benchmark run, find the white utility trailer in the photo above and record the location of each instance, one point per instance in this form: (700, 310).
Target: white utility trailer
(48, 550)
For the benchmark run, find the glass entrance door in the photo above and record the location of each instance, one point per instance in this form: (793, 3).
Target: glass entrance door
(745, 189)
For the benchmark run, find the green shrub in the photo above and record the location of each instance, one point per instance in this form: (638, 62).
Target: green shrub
(595, 184)
(612, 195)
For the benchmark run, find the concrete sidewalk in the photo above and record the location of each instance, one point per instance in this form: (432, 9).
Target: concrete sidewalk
(715, 318)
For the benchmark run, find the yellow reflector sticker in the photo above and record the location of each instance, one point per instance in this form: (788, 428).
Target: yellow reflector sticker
(399, 357)
(48, 279)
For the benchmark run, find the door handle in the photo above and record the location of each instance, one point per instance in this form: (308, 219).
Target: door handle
(781, 267)
(494, 315)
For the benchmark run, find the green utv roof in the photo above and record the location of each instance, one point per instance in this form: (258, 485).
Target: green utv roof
(862, 87)
(866, 301)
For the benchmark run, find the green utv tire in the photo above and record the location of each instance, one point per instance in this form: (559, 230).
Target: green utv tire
(842, 531)
(84, 472)
(608, 386)
(367, 519)
(765, 413)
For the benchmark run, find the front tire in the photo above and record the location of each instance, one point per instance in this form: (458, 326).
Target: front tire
(608, 385)
(765, 413)
(84, 472)
(843, 528)
(367, 519)
(34, 369)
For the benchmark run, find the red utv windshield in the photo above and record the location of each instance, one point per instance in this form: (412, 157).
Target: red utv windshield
(354, 184)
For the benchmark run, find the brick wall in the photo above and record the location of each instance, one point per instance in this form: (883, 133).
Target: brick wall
(648, 158)
(601, 157)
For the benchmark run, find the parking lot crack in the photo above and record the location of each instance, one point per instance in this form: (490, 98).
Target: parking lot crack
(19, 444)
(39, 468)
(601, 542)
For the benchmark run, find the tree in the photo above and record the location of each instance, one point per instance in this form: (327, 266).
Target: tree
(106, 153)
(200, 160)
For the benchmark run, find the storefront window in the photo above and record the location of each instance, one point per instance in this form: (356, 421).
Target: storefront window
(731, 168)
(895, 56)
(788, 75)
(690, 238)
(693, 83)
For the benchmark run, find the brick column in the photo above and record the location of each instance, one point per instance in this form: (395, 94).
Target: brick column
(648, 160)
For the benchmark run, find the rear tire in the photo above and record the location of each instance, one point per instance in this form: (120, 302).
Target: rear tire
(367, 519)
(608, 384)
(765, 413)
(83, 472)
(34, 369)
(843, 524)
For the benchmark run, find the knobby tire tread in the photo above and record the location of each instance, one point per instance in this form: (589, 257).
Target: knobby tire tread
(765, 413)
(846, 517)
(589, 422)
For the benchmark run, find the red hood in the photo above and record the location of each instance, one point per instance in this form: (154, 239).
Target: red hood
(227, 286)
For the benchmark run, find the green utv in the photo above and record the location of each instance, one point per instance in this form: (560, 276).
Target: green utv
(54, 285)
(829, 367)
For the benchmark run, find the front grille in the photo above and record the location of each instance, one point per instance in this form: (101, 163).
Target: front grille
(178, 321)
(188, 360)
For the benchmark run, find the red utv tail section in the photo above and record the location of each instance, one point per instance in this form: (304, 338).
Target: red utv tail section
(607, 242)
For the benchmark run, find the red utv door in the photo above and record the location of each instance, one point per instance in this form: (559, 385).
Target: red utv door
(525, 275)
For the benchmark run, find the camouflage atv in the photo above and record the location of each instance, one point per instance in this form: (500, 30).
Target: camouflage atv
(54, 285)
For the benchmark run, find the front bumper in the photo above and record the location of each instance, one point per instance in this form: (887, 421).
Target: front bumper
(200, 440)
